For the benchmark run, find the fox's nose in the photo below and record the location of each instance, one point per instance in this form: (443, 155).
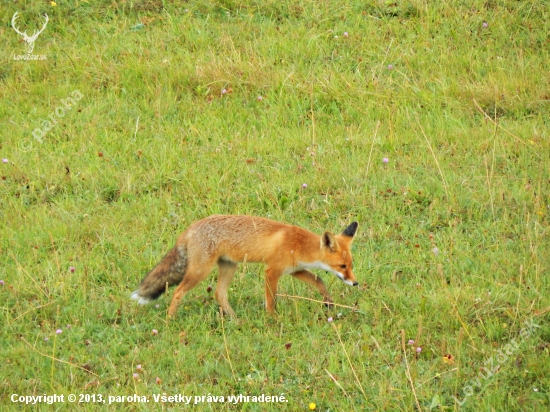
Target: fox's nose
(355, 283)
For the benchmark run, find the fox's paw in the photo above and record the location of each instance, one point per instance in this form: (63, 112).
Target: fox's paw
(228, 312)
(140, 299)
(328, 303)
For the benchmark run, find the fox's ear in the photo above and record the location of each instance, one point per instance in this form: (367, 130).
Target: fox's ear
(350, 230)
(328, 240)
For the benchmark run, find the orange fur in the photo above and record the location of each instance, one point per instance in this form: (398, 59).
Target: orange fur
(226, 240)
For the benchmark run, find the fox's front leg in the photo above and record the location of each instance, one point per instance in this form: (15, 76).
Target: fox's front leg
(272, 277)
(314, 280)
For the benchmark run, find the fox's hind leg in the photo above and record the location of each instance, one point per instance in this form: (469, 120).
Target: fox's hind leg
(226, 271)
(314, 280)
(193, 276)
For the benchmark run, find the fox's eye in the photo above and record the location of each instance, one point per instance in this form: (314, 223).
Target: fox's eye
(343, 266)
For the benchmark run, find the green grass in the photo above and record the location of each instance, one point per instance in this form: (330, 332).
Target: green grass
(154, 144)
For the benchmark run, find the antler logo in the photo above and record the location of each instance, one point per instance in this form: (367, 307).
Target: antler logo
(28, 39)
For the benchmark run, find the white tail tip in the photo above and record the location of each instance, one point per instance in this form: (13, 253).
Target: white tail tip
(140, 299)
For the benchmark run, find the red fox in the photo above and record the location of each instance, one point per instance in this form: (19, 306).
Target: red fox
(226, 240)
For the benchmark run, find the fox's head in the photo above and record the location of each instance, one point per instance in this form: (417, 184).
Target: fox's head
(337, 254)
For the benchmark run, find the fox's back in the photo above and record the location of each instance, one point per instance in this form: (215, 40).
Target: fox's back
(240, 238)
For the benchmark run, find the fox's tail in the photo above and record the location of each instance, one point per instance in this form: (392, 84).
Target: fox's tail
(170, 270)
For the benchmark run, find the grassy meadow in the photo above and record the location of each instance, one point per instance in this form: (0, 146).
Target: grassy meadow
(426, 122)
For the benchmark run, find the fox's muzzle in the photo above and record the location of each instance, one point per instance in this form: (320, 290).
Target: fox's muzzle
(346, 281)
